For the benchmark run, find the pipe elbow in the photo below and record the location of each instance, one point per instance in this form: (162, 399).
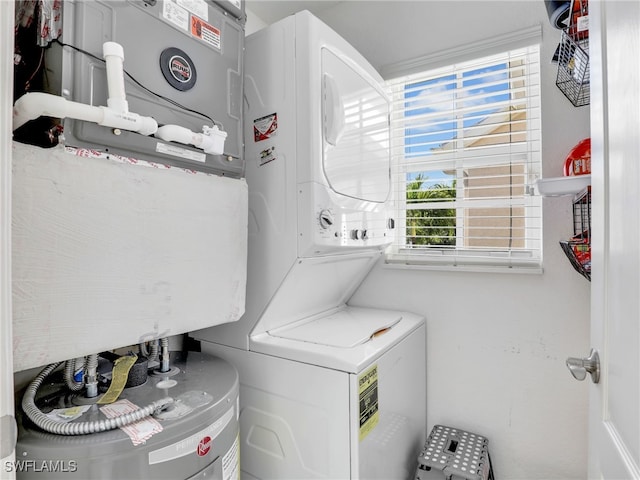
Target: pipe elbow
(31, 106)
(36, 104)
(112, 49)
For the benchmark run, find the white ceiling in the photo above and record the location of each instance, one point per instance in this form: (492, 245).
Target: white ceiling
(273, 10)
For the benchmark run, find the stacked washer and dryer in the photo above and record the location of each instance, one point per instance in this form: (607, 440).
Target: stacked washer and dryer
(327, 389)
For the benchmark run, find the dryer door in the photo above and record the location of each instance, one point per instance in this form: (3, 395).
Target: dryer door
(355, 113)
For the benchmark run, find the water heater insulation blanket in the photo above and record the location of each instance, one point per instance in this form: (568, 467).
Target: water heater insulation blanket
(107, 254)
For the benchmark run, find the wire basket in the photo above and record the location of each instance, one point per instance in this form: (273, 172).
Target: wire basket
(573, 66)
(574, 250)
(578, 248)
(582, 214)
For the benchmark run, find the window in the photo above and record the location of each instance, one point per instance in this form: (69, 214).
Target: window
(465, 140)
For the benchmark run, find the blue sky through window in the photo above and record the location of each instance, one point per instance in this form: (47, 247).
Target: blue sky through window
(432, 108)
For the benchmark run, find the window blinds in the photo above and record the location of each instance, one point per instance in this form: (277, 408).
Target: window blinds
(465, 141)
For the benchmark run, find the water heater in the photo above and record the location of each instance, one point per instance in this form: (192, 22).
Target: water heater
(193, 436)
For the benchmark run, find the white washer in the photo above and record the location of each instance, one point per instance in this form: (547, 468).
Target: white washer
(304, 413)
(327, 390)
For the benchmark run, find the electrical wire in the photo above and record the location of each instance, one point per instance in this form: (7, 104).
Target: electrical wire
(139, 84)
(27, 84)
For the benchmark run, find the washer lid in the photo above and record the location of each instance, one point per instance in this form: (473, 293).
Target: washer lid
(343, 329)
(325, 341)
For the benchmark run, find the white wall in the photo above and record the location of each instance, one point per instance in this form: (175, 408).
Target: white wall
(496, 342)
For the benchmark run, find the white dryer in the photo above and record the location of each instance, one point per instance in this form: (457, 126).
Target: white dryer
(327, 390)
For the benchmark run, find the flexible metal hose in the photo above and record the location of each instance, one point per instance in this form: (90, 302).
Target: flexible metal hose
(69, 371)
(152, 352)
(79, 428)
(91, 363)
(164, 355)
(91, 377)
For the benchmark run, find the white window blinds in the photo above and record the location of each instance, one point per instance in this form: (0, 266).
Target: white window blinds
(466, 146)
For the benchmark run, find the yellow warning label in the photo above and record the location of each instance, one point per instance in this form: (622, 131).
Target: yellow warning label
(119, 376)
(368, 399)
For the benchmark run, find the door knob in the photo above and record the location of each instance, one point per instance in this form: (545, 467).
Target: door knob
(579, 367)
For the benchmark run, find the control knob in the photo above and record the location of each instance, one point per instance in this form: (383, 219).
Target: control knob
(358, 234)
(325, 218)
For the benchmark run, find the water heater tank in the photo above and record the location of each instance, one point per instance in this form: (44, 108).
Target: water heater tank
(198, 437)
(183, 62)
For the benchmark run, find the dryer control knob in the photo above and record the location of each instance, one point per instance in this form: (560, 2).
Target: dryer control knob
(325, 218)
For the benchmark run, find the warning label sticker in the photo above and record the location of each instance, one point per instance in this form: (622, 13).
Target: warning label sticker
(368, 399)
(181, 152)
(197, 7)
(267, 155)
(265, 127)
(139, 432)
(175, 14)
(231, 462)
(205, 32)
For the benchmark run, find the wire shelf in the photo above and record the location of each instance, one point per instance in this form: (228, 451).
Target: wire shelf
(573, 66)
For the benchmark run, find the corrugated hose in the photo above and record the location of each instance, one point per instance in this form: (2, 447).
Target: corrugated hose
(79, 428)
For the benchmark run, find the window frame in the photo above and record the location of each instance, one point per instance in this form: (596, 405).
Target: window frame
(524, 259)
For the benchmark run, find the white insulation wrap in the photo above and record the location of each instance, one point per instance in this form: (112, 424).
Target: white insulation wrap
(107, 254)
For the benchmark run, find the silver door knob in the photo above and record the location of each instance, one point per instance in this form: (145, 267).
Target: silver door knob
(579, 367)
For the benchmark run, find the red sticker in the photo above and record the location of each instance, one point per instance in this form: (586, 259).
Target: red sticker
(265, 127)
(205, 32)
(204, 446)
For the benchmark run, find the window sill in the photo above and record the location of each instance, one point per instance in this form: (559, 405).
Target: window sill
(478, 268)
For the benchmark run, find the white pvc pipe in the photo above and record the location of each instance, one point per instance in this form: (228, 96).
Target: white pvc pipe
(113, 54)
(36, 104)
(176, 133)
(116, 114)
(212, 141)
